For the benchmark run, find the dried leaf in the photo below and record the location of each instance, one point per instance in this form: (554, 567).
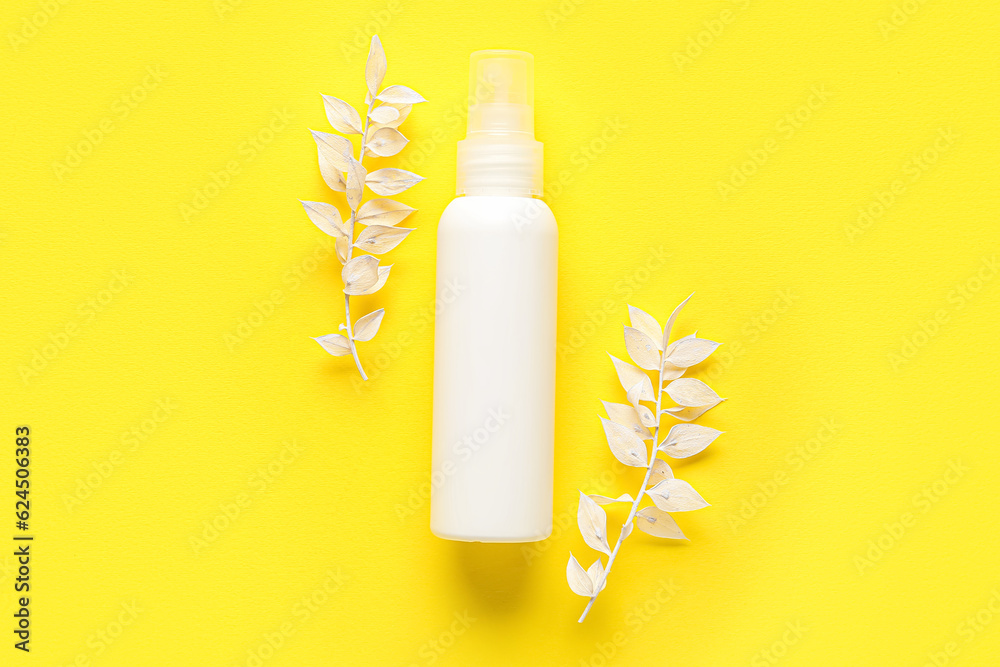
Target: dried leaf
(382, 212)
(342, 245)
(384, 114)
(646, 323)
(671, 372)
(334, 148)
(385, 142)
(390, 181)
(383, 275)
(366, 327)
(686, 440)
(606, 500)
(658, 523)
(627, 529)
(404, 111)
(400, 95)
(676, 495)
(628, 375)
(596, 574)
(626, 415)
(633, 394)
(646, 417)
(335, 344)
(360, 274)
(378, 239)
(691, 392)
(690, 351)
(670, 323)
(642, 349)
(326, 217)
(332, 175)
(688, 414)
(593, 522)
(342, 116)
(356, 175)
(625, 444)
(579, 580)
(375, 67)
(661, 471)
(372, 129)
(670, 348)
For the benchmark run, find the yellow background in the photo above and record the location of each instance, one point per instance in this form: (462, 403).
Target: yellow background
(772, 573)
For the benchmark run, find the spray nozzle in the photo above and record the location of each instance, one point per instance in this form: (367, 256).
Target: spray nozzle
(502, 99)
(499, 154)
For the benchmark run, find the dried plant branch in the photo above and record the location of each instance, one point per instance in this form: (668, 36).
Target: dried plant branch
(350, 230)
(628, 427)
(380, 137)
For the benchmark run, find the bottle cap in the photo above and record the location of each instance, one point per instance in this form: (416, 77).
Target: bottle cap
(499, 155)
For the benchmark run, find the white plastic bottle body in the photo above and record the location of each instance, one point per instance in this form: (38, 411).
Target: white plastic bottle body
(494, 370)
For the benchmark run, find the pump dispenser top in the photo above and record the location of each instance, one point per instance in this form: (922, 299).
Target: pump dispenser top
(499, 155)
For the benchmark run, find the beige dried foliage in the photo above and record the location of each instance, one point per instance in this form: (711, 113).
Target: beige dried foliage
(400, 95)
(390, 181)
(628, 427)
(384, 114)
(692, 393)
(689, 351)
(383, 275)
(627, 416)
(661, 471)
(642, 349)
(342, 116)
(342, 246)
(625, 444)
(367, 326)
(335, 344)
(326, 217)
(629, 375)
(579, 581)
(645, 323)
(686, 440)
(402, 109)
(654, 521)
(375, 68)
(593, 523)
(335, 149)
(359, 274)
(605, 500)
(387, 108)
(385, 142)
(596, 574)
(676, 495)
(332, 176)
(378, 239)
(687, 414)
(382, 212)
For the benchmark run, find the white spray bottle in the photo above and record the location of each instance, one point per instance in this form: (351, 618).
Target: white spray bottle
(495, 342)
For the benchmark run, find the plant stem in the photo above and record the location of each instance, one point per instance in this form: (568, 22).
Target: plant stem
(354, 348)
(638, 497)
(350, 249)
